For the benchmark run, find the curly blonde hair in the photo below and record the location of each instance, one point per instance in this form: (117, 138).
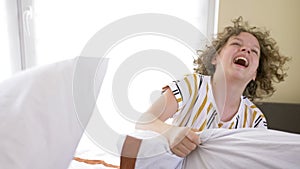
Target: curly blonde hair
(271, 64)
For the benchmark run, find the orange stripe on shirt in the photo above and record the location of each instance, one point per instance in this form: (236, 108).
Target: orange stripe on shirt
(185, 119)
(203, 125)
(245, 116)
(201, 107)
(179, 100)
(230, 127)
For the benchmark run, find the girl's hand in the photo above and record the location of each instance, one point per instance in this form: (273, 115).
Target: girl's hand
(182, 140)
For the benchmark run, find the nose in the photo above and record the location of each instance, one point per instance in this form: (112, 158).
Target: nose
(245, 49)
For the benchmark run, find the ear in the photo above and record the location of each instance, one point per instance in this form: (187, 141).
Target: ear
(254, 76)
(214, 60)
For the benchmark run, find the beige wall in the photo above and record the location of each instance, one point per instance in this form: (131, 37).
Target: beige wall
(282, 18)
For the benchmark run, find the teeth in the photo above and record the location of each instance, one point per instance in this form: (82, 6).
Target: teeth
(241, 60)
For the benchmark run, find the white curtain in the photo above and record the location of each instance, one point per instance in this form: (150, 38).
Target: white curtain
(9, 44)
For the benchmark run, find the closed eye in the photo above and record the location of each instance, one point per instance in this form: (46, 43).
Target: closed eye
(236, 43)
(255, 51)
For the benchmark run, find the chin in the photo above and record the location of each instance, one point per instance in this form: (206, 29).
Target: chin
(238, 76)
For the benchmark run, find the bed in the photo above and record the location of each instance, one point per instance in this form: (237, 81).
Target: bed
(40, 130)
(282, 150)
(282, 122)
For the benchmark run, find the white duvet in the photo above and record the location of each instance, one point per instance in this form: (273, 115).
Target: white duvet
(224, 148)
(39, 128)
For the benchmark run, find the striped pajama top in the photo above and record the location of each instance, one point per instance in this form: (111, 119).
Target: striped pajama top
(197, 107)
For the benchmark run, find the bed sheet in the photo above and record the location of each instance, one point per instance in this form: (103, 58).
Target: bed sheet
(223, 148)
(89, 155)
(220, 148)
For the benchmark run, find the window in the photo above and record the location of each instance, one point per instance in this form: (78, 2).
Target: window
(9, 41)
(50, 31)
(5, 59)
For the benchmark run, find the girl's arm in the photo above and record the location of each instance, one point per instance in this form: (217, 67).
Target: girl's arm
(182, 140)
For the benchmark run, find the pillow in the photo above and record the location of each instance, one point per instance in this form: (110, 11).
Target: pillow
(39, 112)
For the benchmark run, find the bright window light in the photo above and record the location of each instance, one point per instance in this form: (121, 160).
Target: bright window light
(5, 64)
(63, 28)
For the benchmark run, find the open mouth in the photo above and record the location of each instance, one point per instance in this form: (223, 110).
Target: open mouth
(241, 61)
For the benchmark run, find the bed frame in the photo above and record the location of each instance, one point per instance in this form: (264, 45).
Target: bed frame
(282, 116)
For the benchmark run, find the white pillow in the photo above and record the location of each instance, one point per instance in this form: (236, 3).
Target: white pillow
(39, 109)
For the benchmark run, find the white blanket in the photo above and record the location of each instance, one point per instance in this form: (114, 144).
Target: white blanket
(39, 128)
(246, 148)
(224, 148)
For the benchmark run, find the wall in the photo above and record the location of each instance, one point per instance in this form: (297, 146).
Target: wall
(281, 17)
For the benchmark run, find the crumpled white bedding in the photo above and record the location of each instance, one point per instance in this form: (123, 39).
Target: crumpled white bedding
(246, 148)
(39, 128)
(87, 149)
(224, 148)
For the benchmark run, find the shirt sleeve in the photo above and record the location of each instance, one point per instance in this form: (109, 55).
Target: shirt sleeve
(184, 89)
(259, 120)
